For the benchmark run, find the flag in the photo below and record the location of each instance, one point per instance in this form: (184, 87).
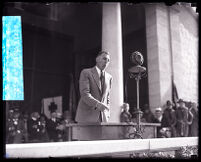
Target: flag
(47, 103)
(175, 96)
(72, 97)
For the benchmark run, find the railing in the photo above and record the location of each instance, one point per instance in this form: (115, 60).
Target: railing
(93, 148)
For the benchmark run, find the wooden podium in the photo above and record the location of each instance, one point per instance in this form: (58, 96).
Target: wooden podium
(109, 131)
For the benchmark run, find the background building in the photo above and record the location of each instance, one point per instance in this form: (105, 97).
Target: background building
(60, 39)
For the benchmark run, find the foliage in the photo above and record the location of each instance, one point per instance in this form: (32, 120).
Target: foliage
(186, 152)
(183, 152)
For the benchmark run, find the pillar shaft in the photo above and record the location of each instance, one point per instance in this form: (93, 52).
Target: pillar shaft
(158, 54)
(112, 42)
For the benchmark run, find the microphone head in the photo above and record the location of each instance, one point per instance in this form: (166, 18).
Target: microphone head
(137, 58)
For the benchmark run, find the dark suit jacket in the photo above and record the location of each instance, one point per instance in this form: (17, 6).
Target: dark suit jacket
(90, 92)
(51, 129)
(169, 118)
(32, 126)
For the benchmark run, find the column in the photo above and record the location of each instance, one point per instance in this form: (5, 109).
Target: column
(158, 54)
(112, 42)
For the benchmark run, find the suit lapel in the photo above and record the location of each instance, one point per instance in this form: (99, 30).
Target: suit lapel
(96, 78)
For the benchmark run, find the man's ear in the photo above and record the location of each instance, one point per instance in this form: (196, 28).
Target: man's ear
(97, 59)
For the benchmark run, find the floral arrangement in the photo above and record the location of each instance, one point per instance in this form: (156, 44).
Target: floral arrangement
(187, 152)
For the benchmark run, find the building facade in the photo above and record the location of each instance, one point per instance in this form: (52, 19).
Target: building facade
(60, 39)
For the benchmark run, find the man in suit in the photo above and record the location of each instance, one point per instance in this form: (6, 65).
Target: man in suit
(15, 128)
(184, 119)
(54, 128)
(169, 118)
(95, 85)
(125, 115)
(33, 127)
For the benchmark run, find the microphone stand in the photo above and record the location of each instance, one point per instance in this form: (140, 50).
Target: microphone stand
(137, 72)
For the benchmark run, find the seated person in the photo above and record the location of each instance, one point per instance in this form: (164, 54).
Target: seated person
(33, 127)
(66, 120)
(142, 119)
(54, 128)
(43, 128)
(125, 114)
(147, 115)
(15, 128)
(158, 115)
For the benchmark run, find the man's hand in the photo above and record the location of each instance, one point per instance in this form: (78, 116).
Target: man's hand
(102, 107)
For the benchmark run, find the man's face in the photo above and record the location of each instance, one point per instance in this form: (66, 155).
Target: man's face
(126, 108)
(182, 104)
(11, 113)
(36, 115)
(194, 105)
(158, 114)
(170, 106)
(16, 115)
(102, 61)
(53, 114)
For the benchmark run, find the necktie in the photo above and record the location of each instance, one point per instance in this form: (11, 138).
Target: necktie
(102, 81)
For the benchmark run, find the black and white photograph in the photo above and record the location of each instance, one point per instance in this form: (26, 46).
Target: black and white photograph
(100, 80)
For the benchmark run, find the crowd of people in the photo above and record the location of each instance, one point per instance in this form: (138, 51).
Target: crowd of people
(33, 128)
(177, 120)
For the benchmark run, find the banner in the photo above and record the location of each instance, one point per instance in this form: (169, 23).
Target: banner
(51, 104)
(12, 58)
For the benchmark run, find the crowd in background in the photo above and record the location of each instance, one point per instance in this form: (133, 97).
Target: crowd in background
(33, 128)
(176, 120)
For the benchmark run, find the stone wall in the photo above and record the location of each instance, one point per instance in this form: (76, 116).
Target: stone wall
(172, 52)
(184, 36)
(186, 64)
(158, 54)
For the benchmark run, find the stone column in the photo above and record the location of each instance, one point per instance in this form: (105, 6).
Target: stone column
(158, 54)
(112, 42)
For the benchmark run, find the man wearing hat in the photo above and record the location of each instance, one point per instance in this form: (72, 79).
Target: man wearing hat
(182, 124)
(33, 127)
(169, 118)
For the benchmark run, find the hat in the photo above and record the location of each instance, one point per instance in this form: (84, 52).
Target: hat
(180, 100)
(168, 103)
(158, 109)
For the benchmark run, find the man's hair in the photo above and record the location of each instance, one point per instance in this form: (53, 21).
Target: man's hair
(101, 52)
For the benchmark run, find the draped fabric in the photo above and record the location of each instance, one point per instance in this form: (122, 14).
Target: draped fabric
(72, 98)
(175, 96)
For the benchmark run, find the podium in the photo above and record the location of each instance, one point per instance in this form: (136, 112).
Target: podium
(109, 131)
